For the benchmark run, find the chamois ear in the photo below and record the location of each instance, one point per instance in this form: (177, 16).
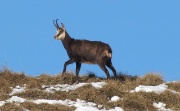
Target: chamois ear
(62, 25)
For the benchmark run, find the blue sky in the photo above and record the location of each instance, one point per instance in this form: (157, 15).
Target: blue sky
(143, 34)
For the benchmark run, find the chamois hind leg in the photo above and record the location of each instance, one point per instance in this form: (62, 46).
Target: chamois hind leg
(70, 61)
(109, 64)
(103, 67)
(78, 67)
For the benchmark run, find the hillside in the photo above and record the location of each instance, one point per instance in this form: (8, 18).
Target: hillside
(19, 92)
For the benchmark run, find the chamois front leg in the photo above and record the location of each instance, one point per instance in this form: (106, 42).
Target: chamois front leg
(70, 61)
(78, 67)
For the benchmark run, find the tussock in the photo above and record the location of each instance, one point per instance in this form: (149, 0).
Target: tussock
(172, 100)
(4, 88)
(46, 107)
(38, 94)
(13, 79)
(45, 79)
(11, 107)
(130, 102)
(88, 93)
(120, 86)
(151, 79)
(174, 86)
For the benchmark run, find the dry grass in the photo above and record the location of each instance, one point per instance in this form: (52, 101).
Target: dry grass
(38, 94)
(170, 99)
(88, 93)
(68, 78)
(120, 86)
(13, 79)
(11, 107)
(46, 107)
(174, 86)
(151, 79)
(135, 101)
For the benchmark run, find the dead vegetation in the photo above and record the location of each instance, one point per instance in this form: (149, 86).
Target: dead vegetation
(45, 107)
(120, 86)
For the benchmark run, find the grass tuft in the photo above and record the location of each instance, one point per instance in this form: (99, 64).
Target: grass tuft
(88, 93)
(11, 107)
(38, 94)
(46, 107)
(13, 79)
(116, 86)
(151, 79)
(174, 86)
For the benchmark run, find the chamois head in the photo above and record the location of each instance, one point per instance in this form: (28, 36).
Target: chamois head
(60, 33)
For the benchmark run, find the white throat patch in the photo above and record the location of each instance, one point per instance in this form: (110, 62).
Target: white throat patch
(62, 36)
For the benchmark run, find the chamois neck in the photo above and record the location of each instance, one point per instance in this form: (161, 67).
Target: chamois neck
(67, 40)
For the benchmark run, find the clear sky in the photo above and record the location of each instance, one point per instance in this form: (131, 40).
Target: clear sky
(143, 34)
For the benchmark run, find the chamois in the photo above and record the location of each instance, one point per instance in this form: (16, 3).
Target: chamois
(84, 51)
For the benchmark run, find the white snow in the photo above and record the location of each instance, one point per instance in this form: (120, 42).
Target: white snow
(2, 103)
(161, 106)
(89, 108)
(67, 87)
(82, 105)
(62, 87)
(157, 89)
(77, 103)
(115, 98)
(17, 89)
(98, 84)
(16, 99)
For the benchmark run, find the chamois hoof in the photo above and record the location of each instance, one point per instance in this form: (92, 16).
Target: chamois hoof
(115, 78)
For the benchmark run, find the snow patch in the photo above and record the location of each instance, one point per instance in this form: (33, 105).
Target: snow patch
(17, 89)
(67, 87)
(77, 103)
(98, 84)
(161, 106)
(89, 108)
(80, 105)
(62, 87)
(157, 89)
(2, 103)
(16, 99)
(115, 98)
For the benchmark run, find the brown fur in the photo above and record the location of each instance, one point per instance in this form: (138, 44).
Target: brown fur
(85, 51)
